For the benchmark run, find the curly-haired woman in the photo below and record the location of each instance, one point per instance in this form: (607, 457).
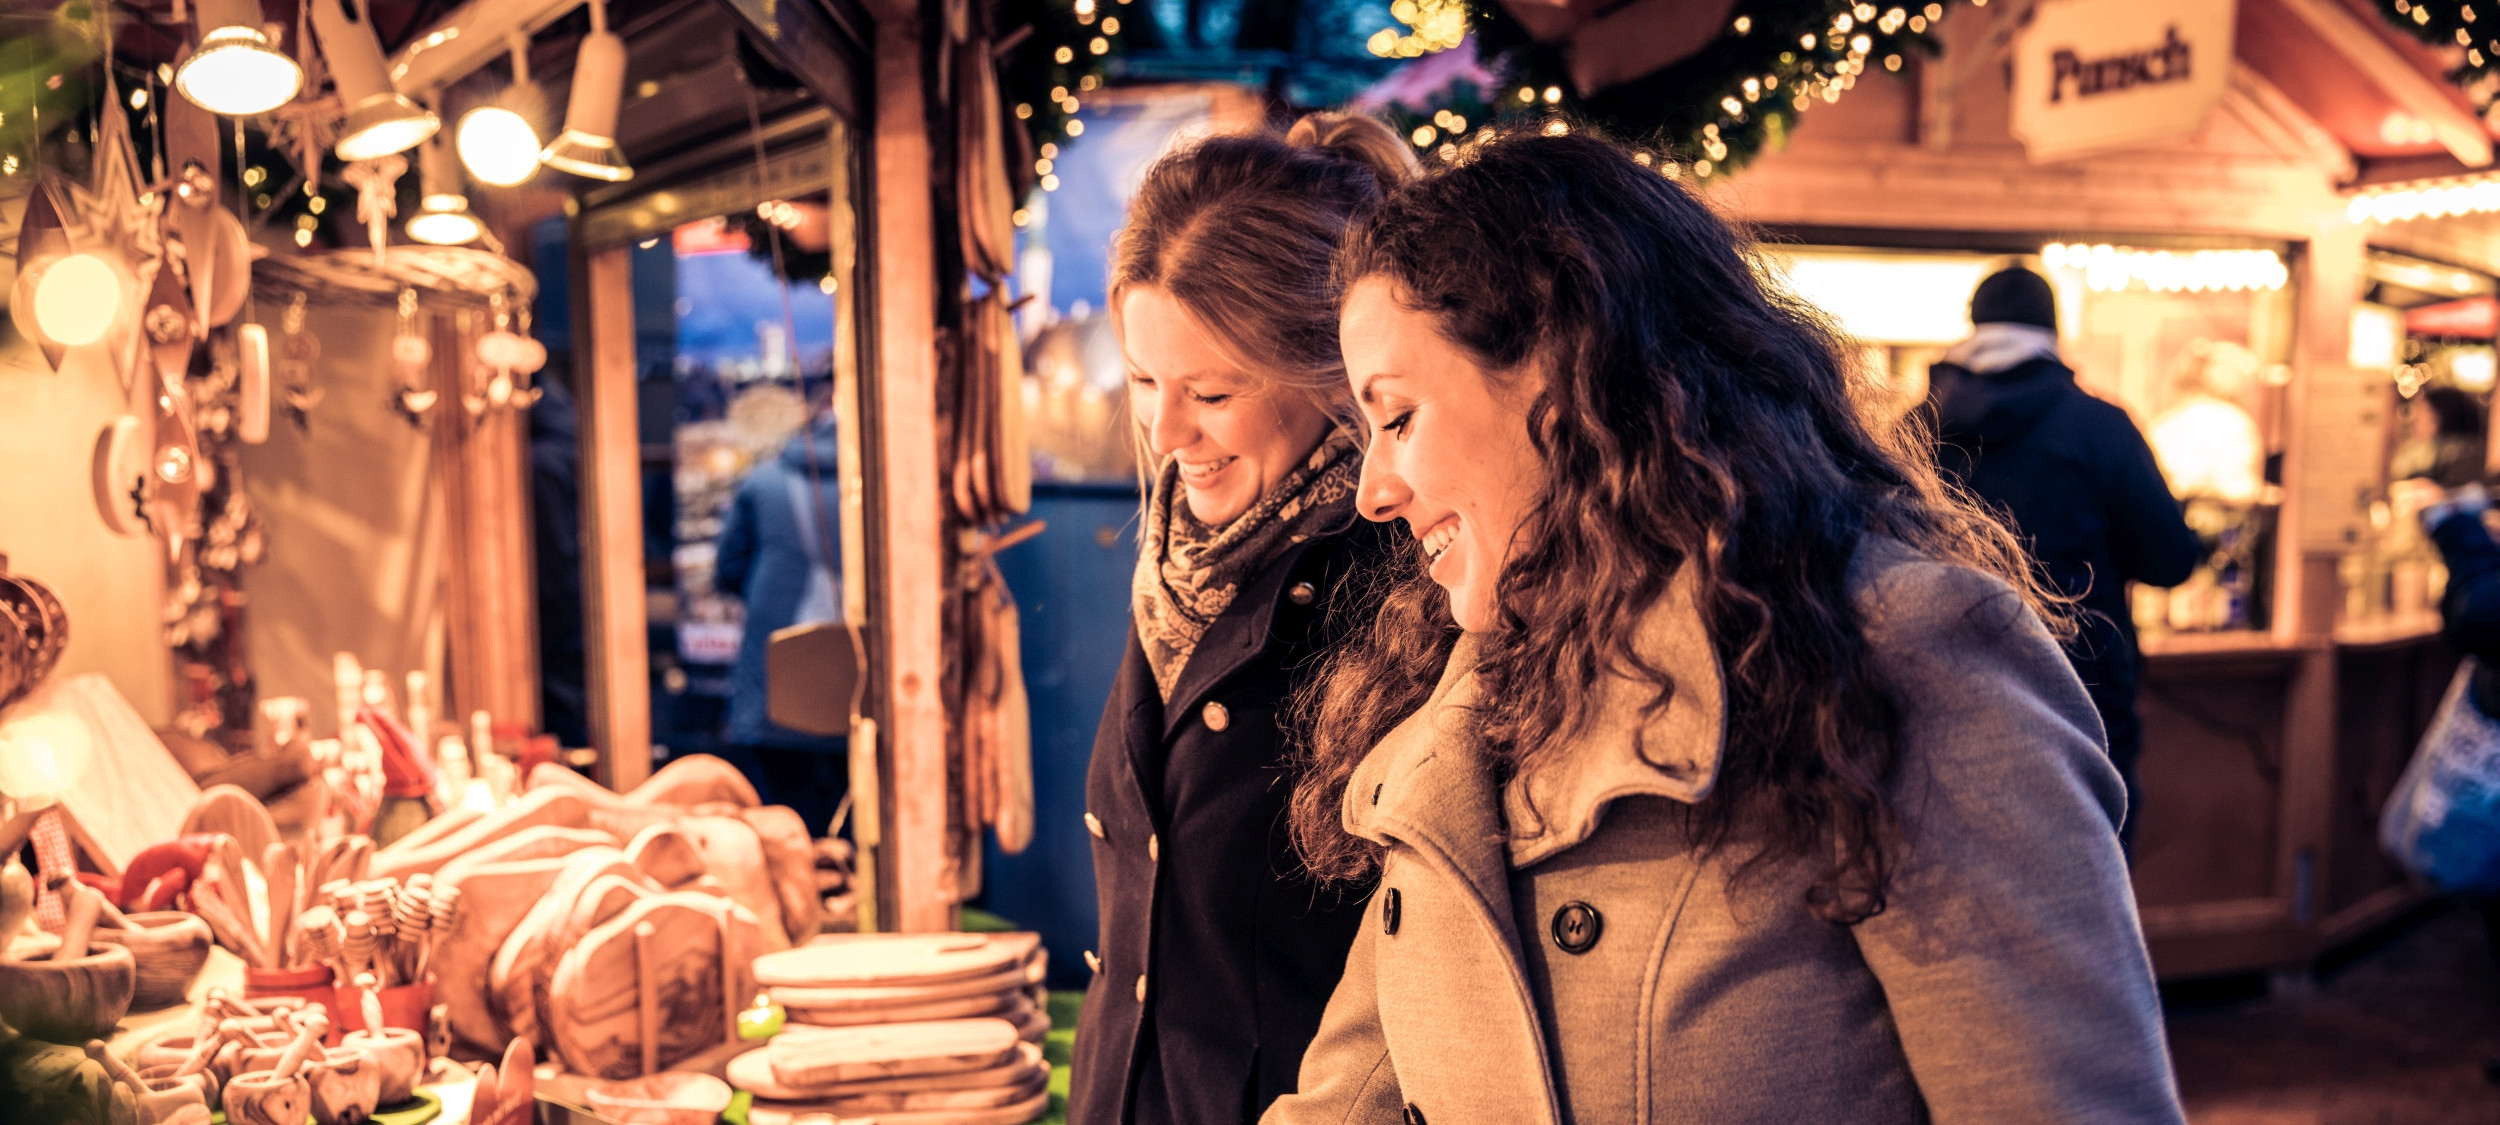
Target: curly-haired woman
(1218, 954)
(1719, 766)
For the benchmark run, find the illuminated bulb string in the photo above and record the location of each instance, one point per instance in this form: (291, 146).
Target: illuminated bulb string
(2108, 268)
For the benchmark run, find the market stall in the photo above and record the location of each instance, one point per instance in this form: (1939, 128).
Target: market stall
(391, 382)
(2215, 278)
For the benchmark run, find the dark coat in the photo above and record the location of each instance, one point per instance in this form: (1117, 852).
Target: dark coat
(1216, 957)
(2084, 493)
(2469, 612)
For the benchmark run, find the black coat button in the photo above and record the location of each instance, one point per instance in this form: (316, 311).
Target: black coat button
(1389, 913)
(1414, 1114)
(1576, 927)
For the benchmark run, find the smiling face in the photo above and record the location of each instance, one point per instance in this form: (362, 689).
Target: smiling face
(1449, 449)
(1234, 434)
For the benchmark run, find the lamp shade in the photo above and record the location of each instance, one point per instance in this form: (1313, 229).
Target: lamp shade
(379, 120)
(587, 147)
(442, 217)
(236, 70)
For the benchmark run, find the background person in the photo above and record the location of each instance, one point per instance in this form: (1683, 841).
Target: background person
(781, 554)
(1217, 954)
(2077, 482)
(1722, 770)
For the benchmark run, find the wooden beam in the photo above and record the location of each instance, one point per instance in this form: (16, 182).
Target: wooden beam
(2268, 112)
(911, 562)
(2420, 94)
(613, 613)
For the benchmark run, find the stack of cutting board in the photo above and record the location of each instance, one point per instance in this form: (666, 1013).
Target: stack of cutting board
(912, 1029)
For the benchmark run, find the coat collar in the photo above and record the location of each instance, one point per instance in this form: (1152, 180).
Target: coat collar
(1427, 782)
(1234, 638)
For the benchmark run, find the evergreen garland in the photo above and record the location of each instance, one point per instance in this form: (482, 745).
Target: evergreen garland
(1712, 111)
(1054, 55)
(2470, 25)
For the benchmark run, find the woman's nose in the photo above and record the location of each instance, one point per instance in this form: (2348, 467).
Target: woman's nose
(1172, 429)
(1380, 494)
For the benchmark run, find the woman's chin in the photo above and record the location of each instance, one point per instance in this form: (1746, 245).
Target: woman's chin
(1215, 509)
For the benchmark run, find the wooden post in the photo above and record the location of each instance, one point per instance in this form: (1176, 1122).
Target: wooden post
(618, 663)
(483, 467)
(910, 552)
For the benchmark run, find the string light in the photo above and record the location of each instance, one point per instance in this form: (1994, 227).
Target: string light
(1433, 25)
(2461, 197)
(2108, 268)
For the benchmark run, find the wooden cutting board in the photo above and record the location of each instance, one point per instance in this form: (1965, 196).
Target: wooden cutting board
(824, 1056)
(922, 1101)
(593, 1014)
(542, 937)
(891, 996)
(753, 1071)
(791, 1113)
(1010, 1006)
(734, 854)
(845, 960)
(494, 897)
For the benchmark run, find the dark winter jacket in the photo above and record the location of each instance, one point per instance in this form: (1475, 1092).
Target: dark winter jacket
(764, 559)
(1216, 957)
(2082, 490)
(2469, 611)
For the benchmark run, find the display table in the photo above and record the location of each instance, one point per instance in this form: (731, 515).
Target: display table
(449, 1082)
(2266, 761)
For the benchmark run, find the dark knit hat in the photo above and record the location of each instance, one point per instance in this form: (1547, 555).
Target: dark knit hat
(2015, 296)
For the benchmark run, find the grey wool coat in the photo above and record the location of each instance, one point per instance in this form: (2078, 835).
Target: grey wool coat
(1586, 965)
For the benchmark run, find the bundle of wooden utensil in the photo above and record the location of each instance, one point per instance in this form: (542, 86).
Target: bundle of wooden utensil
(382, 927)
(912, 1029)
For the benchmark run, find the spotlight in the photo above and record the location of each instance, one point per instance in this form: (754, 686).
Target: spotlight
(379, 120)
(497, 142)
(498, 146)
(587, 147)
(442, 217)
(236, 71)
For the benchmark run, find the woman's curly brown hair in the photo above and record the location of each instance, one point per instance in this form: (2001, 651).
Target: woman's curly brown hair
(1692, 413)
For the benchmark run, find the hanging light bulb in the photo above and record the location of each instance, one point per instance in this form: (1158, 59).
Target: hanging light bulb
(236, 70)
(442, 217)
(498, 146)
(496, 142)
(380, 121)
(72, 299)
(587, 147)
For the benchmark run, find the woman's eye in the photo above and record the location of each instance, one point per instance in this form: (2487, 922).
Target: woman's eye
(1212, 400)
(1399, 424)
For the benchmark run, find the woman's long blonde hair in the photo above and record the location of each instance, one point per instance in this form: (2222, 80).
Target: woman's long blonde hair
(1242, 231)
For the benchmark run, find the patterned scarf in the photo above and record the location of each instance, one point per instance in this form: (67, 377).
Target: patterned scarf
(1189, 573)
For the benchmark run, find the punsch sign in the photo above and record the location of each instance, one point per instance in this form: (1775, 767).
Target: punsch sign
(2093, 76)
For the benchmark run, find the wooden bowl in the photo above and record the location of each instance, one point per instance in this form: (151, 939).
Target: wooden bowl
(666, 1098)
(397, 1054)
(68, 1002)
(171, 946)
(263, 1098)
(346, 1086)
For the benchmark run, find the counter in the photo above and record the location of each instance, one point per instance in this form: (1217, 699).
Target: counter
(2266, 761)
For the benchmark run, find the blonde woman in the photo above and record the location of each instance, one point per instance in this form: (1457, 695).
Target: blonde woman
(1217, 956)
